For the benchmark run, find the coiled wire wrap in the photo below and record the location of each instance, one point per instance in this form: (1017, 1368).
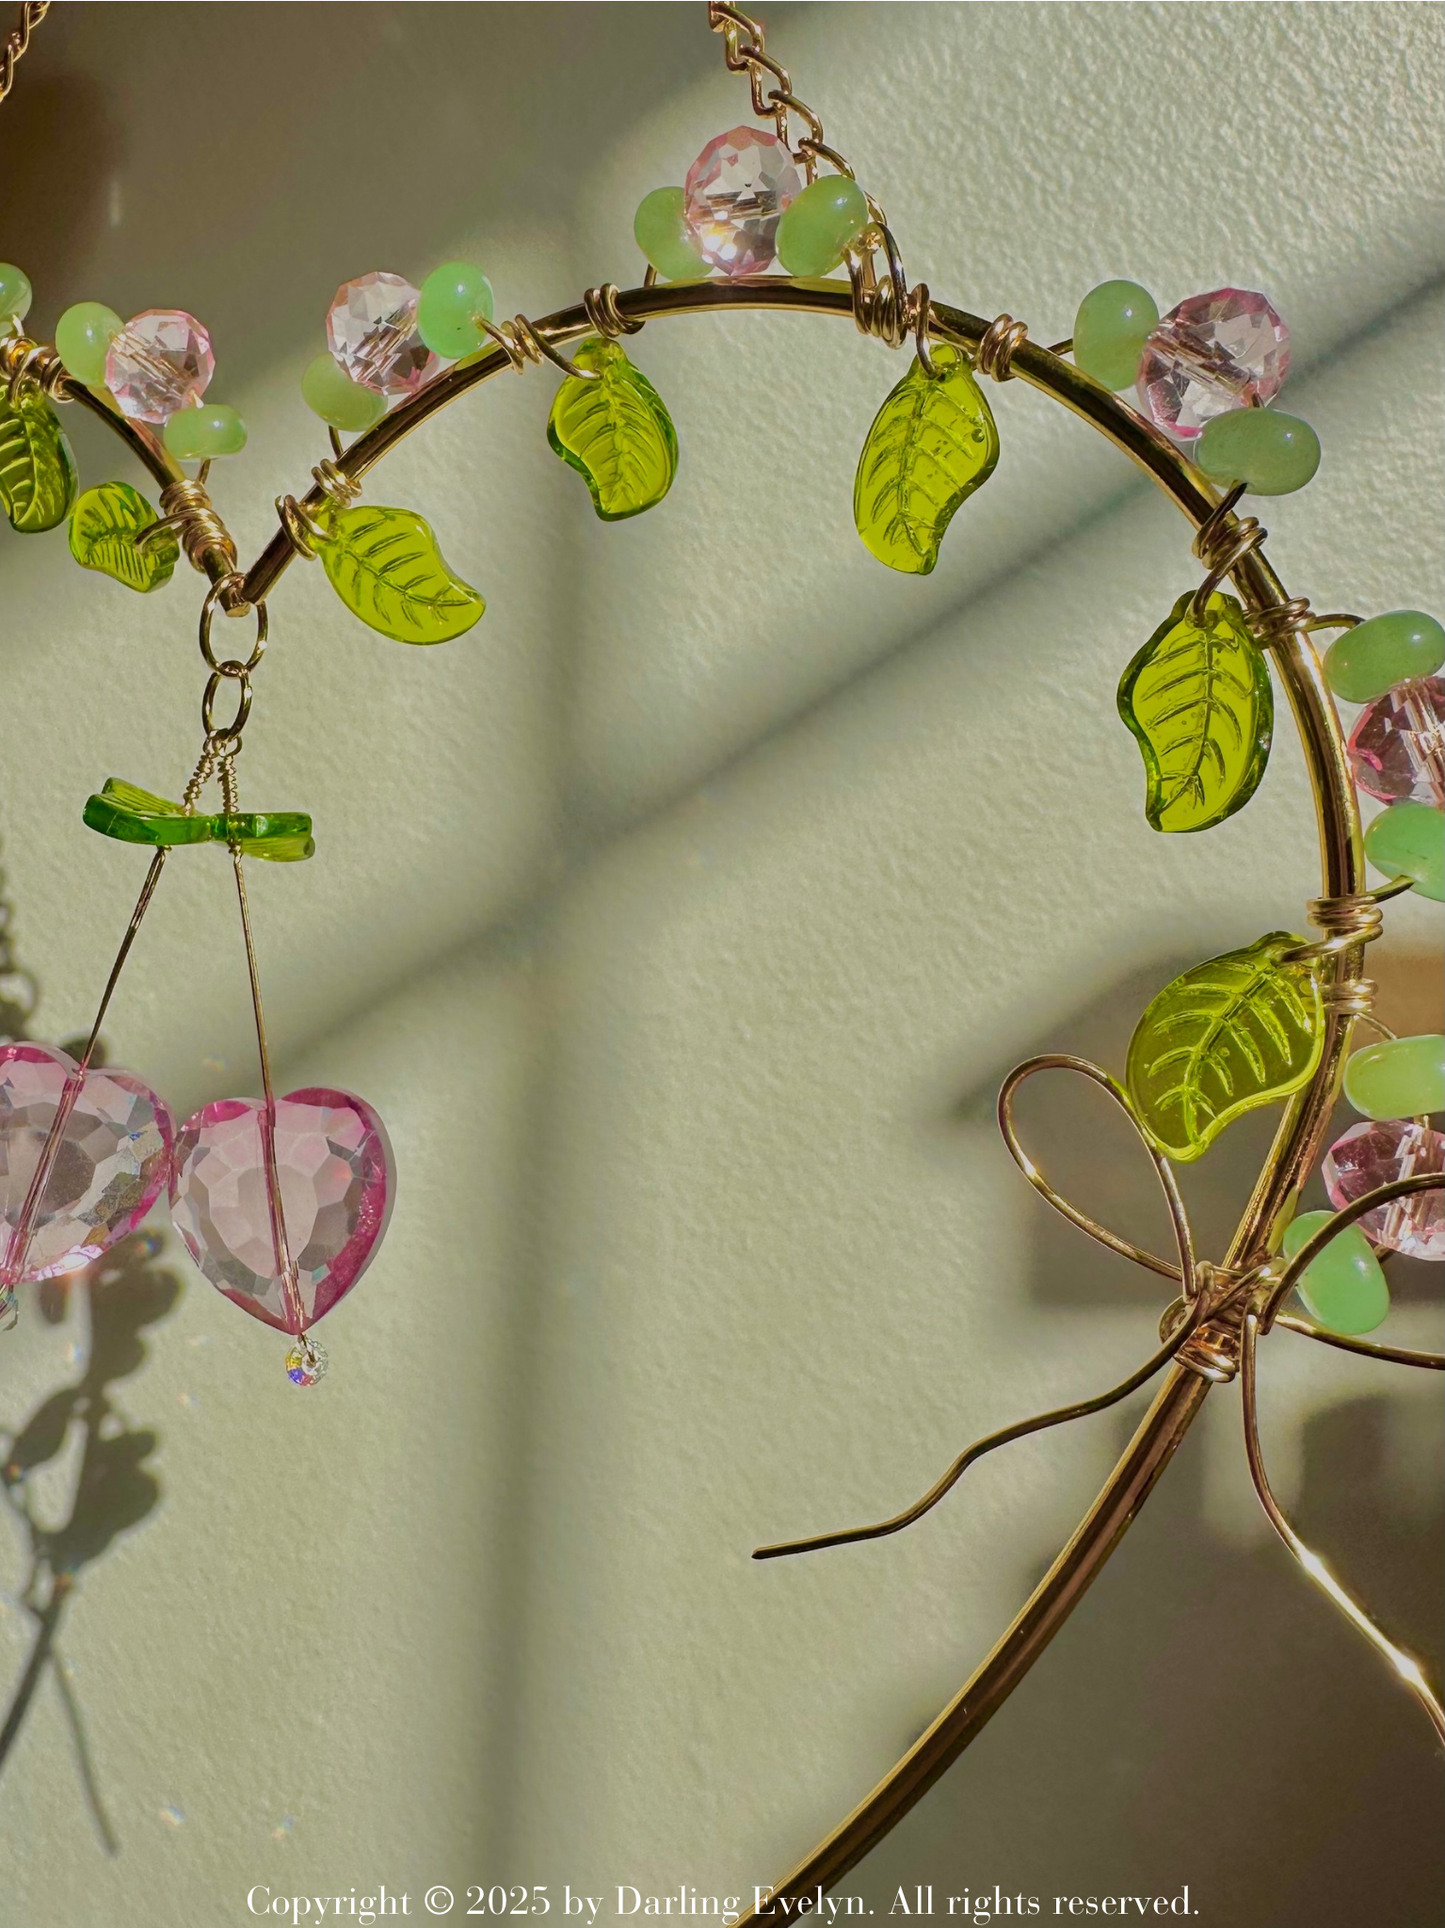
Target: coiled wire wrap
(30, 364)
(521, 344)
(187, 509)
(1000, 341)
(302, 529)
(1221, 543)
(605, 315)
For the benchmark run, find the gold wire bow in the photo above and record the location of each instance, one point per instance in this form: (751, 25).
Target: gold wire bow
(1212, 1328)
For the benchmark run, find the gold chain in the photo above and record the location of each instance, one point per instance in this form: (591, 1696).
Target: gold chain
(17, 41)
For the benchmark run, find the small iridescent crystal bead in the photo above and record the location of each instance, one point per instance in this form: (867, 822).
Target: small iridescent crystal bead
(371, 330)
(1227, 349)
(306, 1362)
(735, 194)
(1397, 748)
(160, 361)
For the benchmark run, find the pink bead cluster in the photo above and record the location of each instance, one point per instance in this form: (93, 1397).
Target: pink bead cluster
(160, 362)
(372, 335)
(120, 1148)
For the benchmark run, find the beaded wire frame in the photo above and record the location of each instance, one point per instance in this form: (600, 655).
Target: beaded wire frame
(1211, 1329)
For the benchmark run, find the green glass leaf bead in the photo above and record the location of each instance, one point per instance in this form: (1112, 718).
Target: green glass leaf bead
(16, 293)
(821, 224)
(1113, 323)
(103, 528)
(1344, 1288)
(37, 470)
(615, 431)
(209, 429)
(662, 233)
(1199, 701)
(931, 445)
(1408, 840)
(1270, 452)
(328, 391)
(82, 336)
(1238, 1031)
(386, 567)
(1398, 1078)
(1382, 651)
(451, 298)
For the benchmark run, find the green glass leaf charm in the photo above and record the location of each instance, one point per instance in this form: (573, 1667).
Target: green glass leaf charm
(615, 431)
(1199, 699)
(931, 445)
(1239, 1031)
(124, 811)
(386, 567)
(104, 525)
(37, 470)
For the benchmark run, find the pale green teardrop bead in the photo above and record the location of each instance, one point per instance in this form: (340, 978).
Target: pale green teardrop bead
(1384, 650)
(82, 336)
(1113, 323)
(1408, 840)
(1344, 1288)
(450, 299)
(662, 233)
(820, 224)
(16, 294)
(328, 391)
(207, 430)
(1270, 452)
(1399, 1078)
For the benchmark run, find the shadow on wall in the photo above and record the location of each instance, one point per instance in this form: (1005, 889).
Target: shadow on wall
(1204, 1693)
(114, 1489)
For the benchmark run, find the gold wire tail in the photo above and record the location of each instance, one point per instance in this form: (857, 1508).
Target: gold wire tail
(1004, 1437)
(1405, 1666)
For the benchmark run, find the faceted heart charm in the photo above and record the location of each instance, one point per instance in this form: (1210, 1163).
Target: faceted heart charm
(113, 1158)
(336, 1179)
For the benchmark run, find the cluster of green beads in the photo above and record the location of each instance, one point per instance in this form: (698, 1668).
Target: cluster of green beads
(1344, 1288)
(1407, 839)
(452, 303)
(817, 229)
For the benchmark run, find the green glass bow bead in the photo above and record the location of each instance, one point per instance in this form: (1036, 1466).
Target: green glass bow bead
(1113, 323)
(1398, 1078)
(133, 815)
(1408, 840)
(1374, 655)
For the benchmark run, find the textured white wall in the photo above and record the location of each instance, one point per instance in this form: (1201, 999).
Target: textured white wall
(680, 921)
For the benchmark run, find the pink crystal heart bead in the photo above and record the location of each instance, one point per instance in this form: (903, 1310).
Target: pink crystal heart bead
(1376, 1153)
(113, 1157)
(336, 1179)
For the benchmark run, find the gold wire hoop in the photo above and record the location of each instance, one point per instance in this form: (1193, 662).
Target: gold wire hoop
(215, 594)
(1001, 341)
(1221, 543)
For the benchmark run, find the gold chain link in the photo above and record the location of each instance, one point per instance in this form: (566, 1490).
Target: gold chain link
(18, 40)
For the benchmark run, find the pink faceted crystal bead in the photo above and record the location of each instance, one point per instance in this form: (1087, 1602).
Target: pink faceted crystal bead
(1377, 1153)
(337, 1179)
(734, 197)
(1228, 349)
(1397, 749)
(113, 1158)
(371, 332)
(160, 362)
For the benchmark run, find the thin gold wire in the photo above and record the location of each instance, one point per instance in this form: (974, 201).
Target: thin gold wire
(521, 343)
(285, 1264)
(1405, 1666)
(1366, 1348)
